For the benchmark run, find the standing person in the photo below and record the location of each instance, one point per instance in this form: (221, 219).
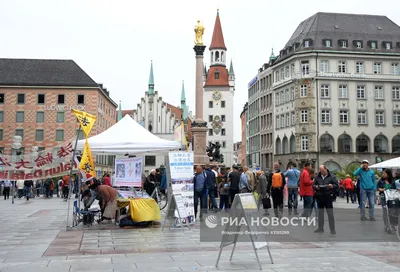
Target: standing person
(199, 184)
(367, 189)
(276, 185)
(357, 187)
(65, 186)
(211, 185)
(47, 184)
(385, 183)
(349, 187)
(325, 185)
(28, 186)
(224, 195)
(243, 185)
(7, 189)
(20, 188)
(251, 179)
(234, 180)
(293, 176)
(261, 188)
(107, 180)
(59, 187)
(306, 190)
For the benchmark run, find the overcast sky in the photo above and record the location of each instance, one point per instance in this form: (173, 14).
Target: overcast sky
(115, 40)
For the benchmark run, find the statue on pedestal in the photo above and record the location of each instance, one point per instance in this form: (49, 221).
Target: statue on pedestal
(214, 154)
(199, 30)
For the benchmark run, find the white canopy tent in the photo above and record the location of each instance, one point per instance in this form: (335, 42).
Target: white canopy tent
(128, 137)
(391, 164)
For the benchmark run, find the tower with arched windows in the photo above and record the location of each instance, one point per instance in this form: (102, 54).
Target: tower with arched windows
(219, 88)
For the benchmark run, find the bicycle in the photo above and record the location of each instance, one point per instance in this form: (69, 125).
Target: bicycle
(160, 197)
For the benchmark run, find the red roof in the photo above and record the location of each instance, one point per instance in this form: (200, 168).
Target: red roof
(223, 79)
(217, 41)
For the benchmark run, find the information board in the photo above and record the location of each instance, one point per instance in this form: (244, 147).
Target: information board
(244, 207)
(128, 172)
(176, 212)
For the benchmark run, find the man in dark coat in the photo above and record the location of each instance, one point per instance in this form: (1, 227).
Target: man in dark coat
(325, 186)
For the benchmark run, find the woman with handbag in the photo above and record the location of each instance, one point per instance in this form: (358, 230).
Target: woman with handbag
(261, 188)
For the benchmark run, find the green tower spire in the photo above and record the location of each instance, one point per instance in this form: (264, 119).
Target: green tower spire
(151, 80)
(119, 111)
(272, 57)
(231, 72)
(183, 104)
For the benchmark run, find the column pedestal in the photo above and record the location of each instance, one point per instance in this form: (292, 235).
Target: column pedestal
(199, 133)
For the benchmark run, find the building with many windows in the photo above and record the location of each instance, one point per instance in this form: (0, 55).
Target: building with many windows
(336, 87)
(36, 98)
(219, 89)
(160, 118)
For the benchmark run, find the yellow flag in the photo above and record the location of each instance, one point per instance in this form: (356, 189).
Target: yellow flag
(86, 120)
(86, 164)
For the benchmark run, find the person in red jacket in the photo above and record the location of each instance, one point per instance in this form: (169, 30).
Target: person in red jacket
(306, 190)
(349, 187)
(107, 180)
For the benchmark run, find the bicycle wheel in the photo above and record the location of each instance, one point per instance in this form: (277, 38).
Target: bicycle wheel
(162, 200)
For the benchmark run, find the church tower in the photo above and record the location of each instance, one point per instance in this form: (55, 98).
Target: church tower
(219, 88)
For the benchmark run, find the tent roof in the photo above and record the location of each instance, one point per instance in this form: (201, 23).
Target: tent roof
(128, 137)
(392, 163)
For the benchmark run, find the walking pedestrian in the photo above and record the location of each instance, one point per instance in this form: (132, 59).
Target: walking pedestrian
(20, 188)
(65, 186)
(325, 186)
(211, 185)
(7, 188)
(349, 187)
(276, 185)
(367, 189)
(224, 194)
(293, 176)
(261, 187)
(234, 180)
(28, 187)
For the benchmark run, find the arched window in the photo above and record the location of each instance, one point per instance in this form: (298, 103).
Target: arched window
(381, 144)
(333, 166)
(278, 146)
(212, 57)
(292, 144)
(396, 144)
(326, 143)
(285, 145)
(362, 143)
(222, 56)
(344, 144)
(216, 56)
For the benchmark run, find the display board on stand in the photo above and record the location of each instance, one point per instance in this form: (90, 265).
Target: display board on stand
(128, 172)
(176, 212)
(180, 175)
(243, 208)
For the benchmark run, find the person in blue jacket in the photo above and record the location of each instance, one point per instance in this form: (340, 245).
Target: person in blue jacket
(367, 189)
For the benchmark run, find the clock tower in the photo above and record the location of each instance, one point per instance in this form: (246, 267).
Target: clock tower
(219, 88)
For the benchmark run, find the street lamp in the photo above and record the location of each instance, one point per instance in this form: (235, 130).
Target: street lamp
(15, 146)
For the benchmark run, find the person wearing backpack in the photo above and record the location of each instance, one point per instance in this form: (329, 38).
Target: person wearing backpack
(276, 185)
(293, 176)
(199, 184)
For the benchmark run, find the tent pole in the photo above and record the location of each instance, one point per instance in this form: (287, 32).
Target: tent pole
(70, 175)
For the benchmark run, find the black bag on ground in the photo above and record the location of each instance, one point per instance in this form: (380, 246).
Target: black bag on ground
(266, 201)
(128, 222)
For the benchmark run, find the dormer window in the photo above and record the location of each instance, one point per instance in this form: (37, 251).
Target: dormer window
(359, 44)
(373, 45)
(216, 75)
(306, 43)
(343, 44)
(388, 45)
(327, 43)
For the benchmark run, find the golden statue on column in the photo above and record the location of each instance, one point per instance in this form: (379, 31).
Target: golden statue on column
(199, 30)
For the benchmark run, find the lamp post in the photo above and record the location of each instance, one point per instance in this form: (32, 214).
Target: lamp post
(15, 146)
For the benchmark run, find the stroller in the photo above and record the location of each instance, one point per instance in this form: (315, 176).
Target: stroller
(391, 211)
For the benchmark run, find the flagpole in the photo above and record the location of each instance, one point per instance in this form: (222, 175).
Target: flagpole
(70, 174)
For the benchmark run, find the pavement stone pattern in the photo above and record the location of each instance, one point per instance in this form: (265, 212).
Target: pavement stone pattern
(33, 237)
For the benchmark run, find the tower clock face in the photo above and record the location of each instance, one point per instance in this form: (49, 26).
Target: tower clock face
(216, 95)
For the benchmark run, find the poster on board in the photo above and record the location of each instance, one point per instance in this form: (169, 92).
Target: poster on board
(128, 172)
(181, 167)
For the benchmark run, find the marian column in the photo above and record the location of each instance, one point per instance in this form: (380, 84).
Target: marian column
(199, 126)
